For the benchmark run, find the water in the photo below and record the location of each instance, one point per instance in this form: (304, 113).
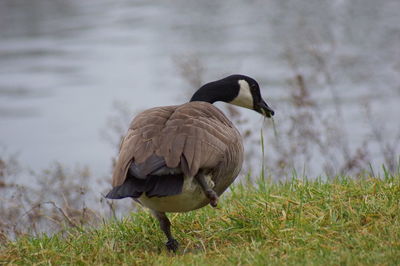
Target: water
(64, 63)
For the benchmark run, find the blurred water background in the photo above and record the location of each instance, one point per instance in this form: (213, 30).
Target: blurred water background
(66, 64)
(73, 73)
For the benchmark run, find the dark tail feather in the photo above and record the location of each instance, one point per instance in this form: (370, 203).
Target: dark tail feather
(152, 177)
(153, 186)
(165, 185)
(129, 188)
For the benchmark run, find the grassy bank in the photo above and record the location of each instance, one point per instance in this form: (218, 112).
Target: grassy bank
(343, 221)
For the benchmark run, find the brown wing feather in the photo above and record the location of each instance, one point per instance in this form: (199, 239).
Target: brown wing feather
(197, 130)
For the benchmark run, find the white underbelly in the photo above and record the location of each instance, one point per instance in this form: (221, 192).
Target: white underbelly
(191, 198)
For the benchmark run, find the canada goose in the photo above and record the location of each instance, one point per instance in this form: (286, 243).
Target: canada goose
(180, 158)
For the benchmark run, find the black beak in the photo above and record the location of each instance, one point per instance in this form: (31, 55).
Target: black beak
(264, 109)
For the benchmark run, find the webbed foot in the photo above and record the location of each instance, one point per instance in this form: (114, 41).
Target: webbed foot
(212, 195)
(172, 245)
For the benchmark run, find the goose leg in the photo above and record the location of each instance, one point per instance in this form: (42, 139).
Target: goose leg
(165, 226)
(210, 193)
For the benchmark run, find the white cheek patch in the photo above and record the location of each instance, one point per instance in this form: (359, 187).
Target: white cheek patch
(244, 98)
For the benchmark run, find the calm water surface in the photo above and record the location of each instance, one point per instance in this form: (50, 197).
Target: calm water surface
(64, 63)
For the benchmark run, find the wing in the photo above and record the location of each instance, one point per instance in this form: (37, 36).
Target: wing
(190, 136)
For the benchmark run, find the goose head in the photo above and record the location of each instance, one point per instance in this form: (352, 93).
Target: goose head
(238, 90)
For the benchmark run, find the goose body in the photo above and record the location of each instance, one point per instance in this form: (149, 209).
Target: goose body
(181, 158)
(197, 133)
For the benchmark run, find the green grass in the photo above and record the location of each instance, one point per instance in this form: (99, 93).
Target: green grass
(343, 221)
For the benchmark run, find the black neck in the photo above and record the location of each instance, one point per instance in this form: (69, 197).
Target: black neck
(216, 91)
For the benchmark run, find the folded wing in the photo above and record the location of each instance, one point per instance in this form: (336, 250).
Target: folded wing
(189, 137)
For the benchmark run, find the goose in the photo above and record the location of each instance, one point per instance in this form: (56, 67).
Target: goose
(180, 158)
